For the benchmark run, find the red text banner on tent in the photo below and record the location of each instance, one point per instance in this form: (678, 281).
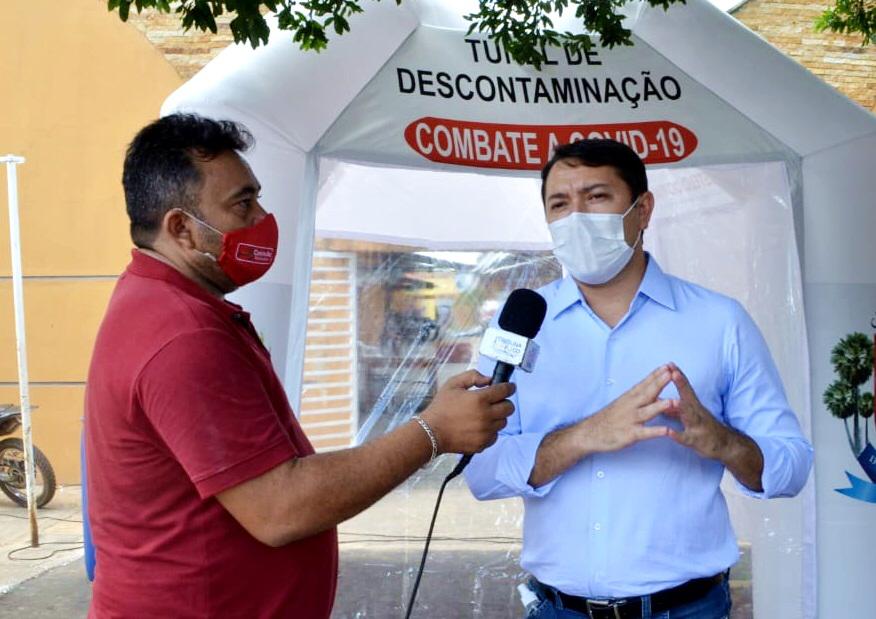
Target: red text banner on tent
(528, 147)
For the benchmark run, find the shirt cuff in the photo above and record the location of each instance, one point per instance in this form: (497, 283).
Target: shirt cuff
(778, 474)
(516, 462)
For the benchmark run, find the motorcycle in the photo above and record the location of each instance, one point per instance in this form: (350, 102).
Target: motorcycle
(12, 476)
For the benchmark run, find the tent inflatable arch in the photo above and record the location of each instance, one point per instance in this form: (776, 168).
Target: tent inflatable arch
(409, 132)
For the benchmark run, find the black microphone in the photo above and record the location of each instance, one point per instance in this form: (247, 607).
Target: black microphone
(512, 343)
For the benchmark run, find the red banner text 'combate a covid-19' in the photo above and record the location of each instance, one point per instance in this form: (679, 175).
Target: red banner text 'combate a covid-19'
(528, 147)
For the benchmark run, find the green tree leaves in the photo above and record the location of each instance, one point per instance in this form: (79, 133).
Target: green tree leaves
(840, 400)
(523, 27)
(850, 17)
(852, 360)
(124, 6)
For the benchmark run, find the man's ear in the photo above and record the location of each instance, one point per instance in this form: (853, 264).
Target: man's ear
(177, 226)
(646, 204)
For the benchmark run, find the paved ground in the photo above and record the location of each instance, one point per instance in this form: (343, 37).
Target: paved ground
(472, 569)
(59, 593)
(471, 572)
(60, 534)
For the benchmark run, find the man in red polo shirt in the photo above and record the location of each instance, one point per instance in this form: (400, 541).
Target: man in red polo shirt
(205, 497)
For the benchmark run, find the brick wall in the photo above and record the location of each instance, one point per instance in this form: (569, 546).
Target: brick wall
(187, 52)
(837, 59)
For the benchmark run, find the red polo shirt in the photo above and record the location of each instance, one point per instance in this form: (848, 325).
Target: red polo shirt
(182, 403)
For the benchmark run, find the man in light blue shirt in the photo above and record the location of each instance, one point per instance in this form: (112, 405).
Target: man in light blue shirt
(647, 387)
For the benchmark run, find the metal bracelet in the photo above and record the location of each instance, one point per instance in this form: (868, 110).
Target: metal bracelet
(428, 430)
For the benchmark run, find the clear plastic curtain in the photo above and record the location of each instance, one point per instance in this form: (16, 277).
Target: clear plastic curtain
(392, 317)
(731, 228)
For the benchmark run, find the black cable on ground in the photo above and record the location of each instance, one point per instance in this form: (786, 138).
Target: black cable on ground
(41, 518)
(456, 471)
(9, 555)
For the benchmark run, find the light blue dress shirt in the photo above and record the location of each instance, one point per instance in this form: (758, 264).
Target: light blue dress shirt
(650, 516)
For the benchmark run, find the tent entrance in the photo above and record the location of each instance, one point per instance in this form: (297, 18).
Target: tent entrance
(409, 267)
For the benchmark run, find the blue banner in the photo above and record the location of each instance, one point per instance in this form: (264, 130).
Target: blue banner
(867, 460)
(863, 490)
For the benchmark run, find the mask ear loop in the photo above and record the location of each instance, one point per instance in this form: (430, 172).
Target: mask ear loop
(641, 235)
(633, 205)
(205, 224)
(639, 239)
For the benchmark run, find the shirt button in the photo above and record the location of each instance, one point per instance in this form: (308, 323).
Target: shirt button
(609, 382)
(600, 474)
(597, 527)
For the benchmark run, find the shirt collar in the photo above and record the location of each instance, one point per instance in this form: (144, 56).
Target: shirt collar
(567, 295)
(144, 265)
(655, 285)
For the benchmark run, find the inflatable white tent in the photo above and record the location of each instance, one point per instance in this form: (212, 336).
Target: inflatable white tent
(409, 132)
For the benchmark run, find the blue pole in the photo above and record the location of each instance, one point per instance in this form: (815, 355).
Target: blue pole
(90, 558)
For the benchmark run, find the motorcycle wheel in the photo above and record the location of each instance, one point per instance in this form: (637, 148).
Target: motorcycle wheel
(12, 458)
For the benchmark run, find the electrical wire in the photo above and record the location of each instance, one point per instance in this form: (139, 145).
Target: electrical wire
(362, 537)
(39, 518)
(456, 471)
(408, 537)
(9, 555)
(365, 538)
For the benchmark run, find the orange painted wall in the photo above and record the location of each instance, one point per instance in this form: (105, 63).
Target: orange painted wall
(75, 86)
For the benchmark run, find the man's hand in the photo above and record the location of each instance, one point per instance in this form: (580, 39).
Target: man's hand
(702, 432)
(618, 425)
(468, 420)
(622, 423)
(712, 439)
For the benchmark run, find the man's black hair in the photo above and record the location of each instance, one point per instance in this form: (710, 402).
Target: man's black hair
(600, 152)
(160, 170)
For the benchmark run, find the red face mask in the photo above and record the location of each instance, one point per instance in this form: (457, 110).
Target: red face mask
(247, 253)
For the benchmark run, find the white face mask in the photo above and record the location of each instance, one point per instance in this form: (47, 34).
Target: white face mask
(591, 246)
